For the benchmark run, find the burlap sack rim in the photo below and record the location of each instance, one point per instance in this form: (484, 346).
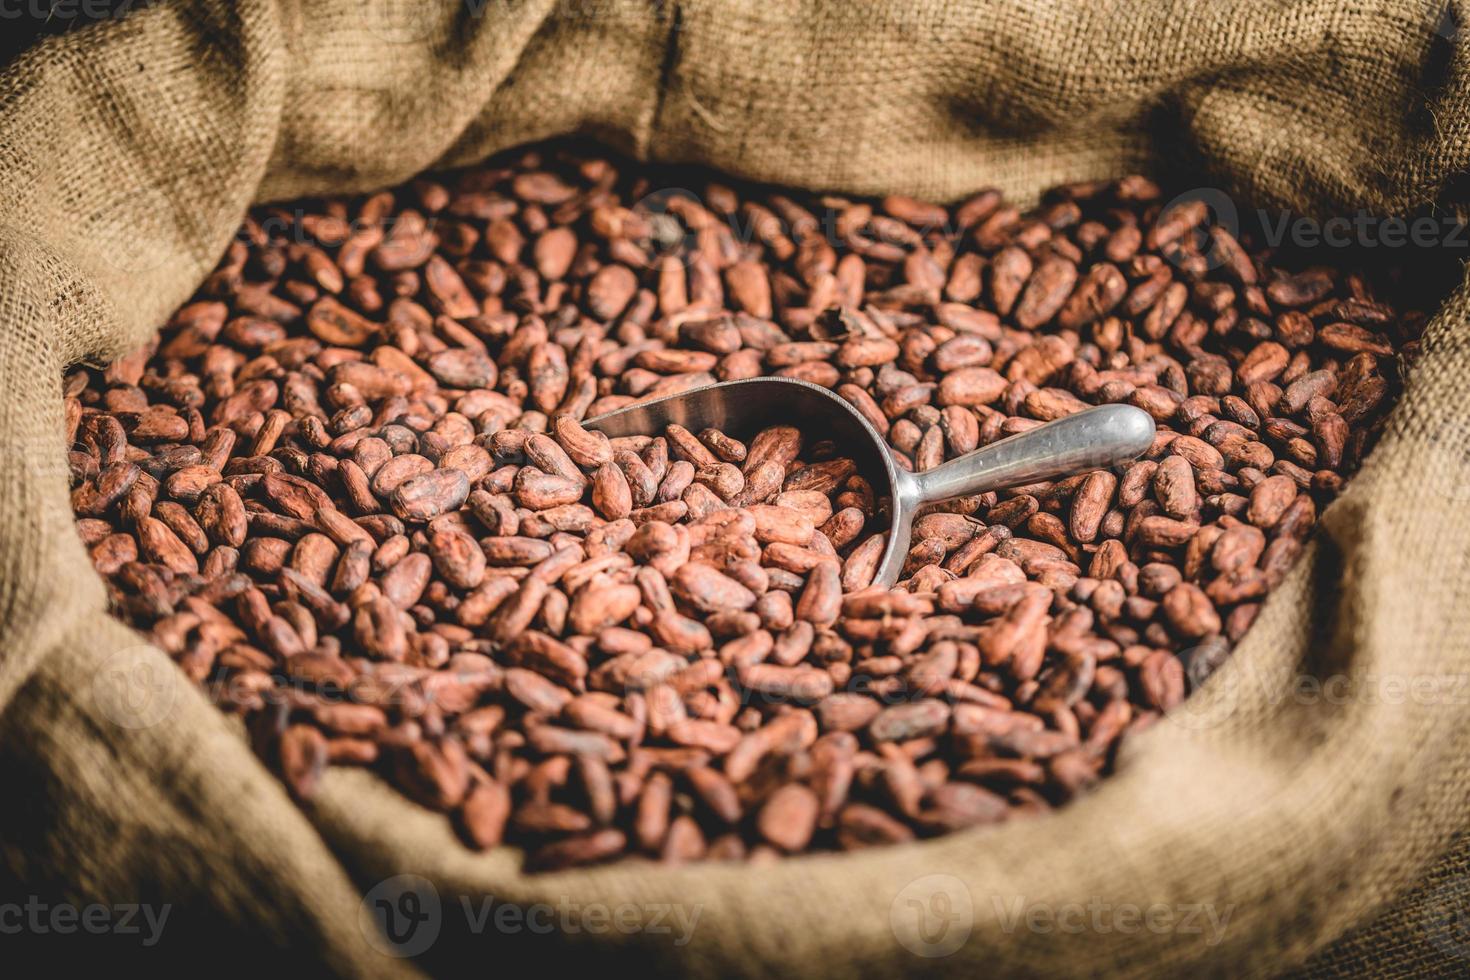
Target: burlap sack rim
(335, 814)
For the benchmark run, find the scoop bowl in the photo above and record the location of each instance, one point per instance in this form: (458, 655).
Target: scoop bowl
(1090, 439)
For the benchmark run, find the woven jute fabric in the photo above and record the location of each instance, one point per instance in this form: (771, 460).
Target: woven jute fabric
(1302, 809)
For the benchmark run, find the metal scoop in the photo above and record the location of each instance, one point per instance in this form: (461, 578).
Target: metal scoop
(1090, 439)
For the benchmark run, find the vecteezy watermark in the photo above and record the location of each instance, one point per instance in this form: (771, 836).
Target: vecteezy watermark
(1240, 683)
(38, 918)
(414, 21)
(1188, 219)
(135, 687)
(1363, 230)
(51, 11)
(1098, 917)
(404, 915)
(1444, 917)
(932, 916)
(401, 916)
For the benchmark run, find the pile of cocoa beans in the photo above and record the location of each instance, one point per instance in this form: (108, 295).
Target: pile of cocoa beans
(348, 490)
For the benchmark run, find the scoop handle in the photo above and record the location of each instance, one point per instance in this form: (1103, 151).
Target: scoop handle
(1091, 439)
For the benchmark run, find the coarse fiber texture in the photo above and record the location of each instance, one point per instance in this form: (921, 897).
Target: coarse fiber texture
(129, 152)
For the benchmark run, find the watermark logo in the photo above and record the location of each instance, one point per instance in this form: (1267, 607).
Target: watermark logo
(1363, 229)
(404, 915)
(1445, 917)
(932, 916)
(1218, 210)
(668, 234)
(1243, 684)
(61, 11)
(135, 688)
(39, 918)
(1201, 664)
(1447, 25)
(404, 21)
(1098, 917)
(401, 916)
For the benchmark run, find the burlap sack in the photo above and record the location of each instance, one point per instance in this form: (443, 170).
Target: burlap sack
(129, 151)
